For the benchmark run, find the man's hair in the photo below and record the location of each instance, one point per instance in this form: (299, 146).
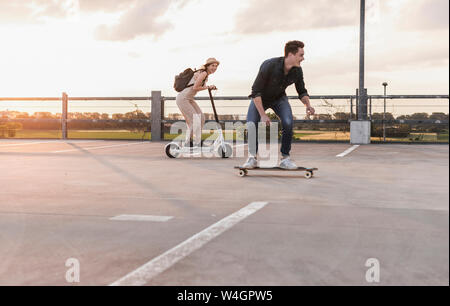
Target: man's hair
(292, 47)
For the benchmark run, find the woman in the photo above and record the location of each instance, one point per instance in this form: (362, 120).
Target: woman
(187, 105)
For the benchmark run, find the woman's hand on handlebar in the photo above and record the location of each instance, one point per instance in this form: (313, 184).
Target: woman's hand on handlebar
(212, 87)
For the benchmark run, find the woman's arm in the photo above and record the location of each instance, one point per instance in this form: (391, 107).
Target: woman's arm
(199, 81)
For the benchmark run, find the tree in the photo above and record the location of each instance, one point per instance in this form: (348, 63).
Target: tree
(323, 117)
(404, 117)
(95, 116)
(439, 116)
(342, 116)
(118, 116)
(419, 116)
(43, 115)
(379, 116)
(23, 116)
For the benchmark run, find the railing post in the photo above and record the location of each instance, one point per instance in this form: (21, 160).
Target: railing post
(65, 99)
(157, 130)
(360, 129)
(384, 119)
(351, 108)
(362, 104)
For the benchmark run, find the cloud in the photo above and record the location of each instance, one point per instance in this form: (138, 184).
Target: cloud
(137, 17)
(140, 19)
(407, 57)
(424, 15)
(32, 11)
(105, 5)
(263, 16)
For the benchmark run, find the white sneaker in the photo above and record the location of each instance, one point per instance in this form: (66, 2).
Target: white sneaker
(288, 164)
(250, 163)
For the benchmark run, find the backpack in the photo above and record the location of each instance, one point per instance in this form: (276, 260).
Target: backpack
(182, 80)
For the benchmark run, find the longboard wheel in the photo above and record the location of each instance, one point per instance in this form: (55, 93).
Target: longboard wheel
(243, 172)
(308, 174)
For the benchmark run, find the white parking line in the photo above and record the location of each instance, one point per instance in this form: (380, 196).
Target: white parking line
(94, 148)
(141, 218)
(50, 141)
(348, 151)
(145, 273)
(23, 144)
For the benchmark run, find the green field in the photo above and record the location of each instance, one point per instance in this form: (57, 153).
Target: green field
(442, 137)
(100, 134)
(298, 135)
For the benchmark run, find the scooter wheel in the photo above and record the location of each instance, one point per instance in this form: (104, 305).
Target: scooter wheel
(171, 150)
(242, 172)
(308, 174)
(227, 152)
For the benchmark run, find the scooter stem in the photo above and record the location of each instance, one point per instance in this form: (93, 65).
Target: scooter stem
(213, 106)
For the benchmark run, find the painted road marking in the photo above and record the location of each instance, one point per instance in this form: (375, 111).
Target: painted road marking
(23, 144)
(348, 151)
(229, 200)
(145, 273)
(94, 148)
(50, 141)
(141, 218)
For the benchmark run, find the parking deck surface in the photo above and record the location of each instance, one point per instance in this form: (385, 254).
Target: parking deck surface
(386, 202)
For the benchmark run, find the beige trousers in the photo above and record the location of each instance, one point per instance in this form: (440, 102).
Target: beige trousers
(195, 119)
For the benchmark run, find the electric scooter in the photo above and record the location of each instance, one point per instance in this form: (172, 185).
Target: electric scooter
(219, 146)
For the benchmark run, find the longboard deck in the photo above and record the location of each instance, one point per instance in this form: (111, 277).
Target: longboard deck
(309, 172)
(277, 168)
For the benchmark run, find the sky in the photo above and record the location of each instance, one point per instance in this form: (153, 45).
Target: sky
(131, 47)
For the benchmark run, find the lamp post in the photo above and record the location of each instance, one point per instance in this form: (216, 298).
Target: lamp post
(385, 84)
(362, 99)
(360, 129)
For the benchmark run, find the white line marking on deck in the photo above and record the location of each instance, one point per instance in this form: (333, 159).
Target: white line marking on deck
(141, 218)
(348, 151)
(145, 273)
(94, 148)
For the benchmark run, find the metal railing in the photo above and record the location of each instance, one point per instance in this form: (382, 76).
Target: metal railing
(157, 118)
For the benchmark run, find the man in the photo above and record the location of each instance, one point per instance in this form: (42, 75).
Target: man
(269, 91)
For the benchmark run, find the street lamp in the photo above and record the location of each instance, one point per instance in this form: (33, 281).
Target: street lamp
(385, 84)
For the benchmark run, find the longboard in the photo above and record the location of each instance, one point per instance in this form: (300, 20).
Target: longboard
(309, 172)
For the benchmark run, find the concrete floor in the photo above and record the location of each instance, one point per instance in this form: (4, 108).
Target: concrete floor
(389, 202)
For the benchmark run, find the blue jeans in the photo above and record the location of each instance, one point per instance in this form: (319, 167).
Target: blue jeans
(283, 110)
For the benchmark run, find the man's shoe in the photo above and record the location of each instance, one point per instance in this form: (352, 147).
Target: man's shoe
(250, 163)
(288, 164)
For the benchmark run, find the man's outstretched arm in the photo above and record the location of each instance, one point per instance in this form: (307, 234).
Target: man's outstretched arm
(303, 94)
(309, 109)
